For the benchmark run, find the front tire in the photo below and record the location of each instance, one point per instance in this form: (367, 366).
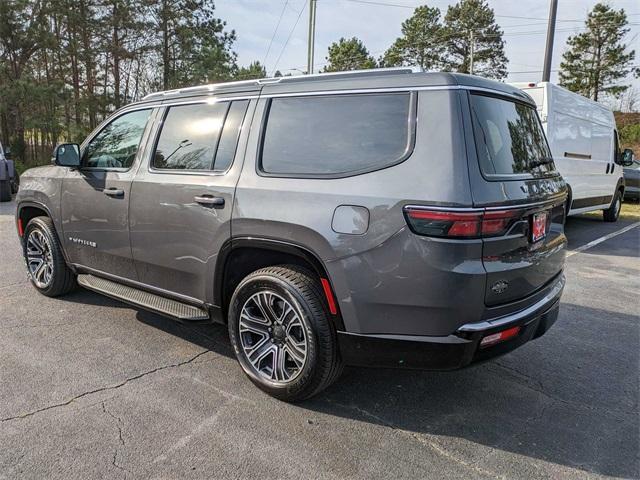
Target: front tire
(281, 333)
(46, 266)
(613, 212)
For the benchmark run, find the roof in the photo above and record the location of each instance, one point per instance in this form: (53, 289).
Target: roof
(402, 77)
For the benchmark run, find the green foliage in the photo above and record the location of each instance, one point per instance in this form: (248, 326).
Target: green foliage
(630, 134)
(349, 54)
(254, 70)
(597, 59)
(474, 21)
(421, 43)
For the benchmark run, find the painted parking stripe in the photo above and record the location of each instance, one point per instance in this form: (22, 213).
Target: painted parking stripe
(598, 241)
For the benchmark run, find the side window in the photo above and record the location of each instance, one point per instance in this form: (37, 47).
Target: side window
(117, 144)
(336, 134)
(230, 133)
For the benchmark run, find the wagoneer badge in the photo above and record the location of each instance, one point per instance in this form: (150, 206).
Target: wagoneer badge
(500, 286)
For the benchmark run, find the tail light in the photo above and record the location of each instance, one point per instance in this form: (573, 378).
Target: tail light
(458, 224)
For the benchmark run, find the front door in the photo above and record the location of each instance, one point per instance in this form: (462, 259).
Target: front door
(181, 201)
(95, 197)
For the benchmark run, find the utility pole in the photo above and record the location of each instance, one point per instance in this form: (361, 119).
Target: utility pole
(312, 35)
(551, 30)
(472, 41)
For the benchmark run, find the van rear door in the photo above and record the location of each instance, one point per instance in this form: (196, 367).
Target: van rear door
(514, 179)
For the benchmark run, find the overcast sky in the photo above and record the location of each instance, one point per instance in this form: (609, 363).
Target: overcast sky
(379, 25)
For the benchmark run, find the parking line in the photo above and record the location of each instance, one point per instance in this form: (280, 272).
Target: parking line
(598, 241)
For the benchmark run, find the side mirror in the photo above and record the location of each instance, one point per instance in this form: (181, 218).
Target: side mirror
(7, 153)
(626, 158)
(67, 155)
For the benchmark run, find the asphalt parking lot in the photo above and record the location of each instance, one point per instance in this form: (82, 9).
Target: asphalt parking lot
(92, 388)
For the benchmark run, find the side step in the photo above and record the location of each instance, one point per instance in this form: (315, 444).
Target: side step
(149, 301)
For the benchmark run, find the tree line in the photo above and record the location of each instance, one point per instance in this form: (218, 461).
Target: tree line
(67, 64)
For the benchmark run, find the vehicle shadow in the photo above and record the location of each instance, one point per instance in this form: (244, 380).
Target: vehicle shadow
(566, 398)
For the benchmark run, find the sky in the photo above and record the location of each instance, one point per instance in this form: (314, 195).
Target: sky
(255, 23)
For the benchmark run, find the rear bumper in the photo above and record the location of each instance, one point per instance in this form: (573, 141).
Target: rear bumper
(453, 351)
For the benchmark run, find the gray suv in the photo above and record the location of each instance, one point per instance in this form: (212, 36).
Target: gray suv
(387, 218)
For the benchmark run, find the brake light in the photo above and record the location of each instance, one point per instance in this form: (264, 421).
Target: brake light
(457, 224)
(499, 337)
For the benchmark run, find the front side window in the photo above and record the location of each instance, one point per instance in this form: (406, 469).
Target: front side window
(336, 135)
(509, 137)
(117, 144)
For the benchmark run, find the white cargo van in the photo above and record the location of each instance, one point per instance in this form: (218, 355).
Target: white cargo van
(584, 143)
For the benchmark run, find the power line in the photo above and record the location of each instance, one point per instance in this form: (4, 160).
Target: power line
(275, 31)
(275, 65)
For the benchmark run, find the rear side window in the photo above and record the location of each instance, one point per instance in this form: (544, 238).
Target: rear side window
(199, 137)
(509, 137)
(336, 135)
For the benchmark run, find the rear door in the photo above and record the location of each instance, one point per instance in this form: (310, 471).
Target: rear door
(182, 197)
(514, 178)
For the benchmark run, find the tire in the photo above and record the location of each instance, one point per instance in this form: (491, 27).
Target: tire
(52, 277)
(288, 300)
(613, 212)
(5, 191)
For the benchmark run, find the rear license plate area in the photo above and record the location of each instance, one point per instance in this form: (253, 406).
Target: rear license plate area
(539, 226)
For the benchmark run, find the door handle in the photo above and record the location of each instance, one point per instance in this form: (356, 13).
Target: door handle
(113, 192)
(209, 200)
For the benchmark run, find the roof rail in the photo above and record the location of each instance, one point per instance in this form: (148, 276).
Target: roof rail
(269, 80)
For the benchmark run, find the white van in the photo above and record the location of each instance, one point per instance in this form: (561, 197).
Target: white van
(584, 143)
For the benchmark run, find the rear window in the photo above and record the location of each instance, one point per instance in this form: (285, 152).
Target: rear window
(336, 135)
(509, 137)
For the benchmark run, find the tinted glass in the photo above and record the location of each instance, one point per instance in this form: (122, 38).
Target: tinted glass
(509, 137)
(189, 137)
(230, 132)
(336, 134)
(117, 144)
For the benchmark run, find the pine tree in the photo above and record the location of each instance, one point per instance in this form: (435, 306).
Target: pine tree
(597, 59)
(471, 24)
(254, 70)
(421, 43)
(348, 54)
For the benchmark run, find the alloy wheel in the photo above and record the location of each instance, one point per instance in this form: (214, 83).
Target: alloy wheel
(39, 259)
(273, 337)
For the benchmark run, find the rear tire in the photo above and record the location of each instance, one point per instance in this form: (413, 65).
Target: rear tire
(281, 333)
(5, 191)
(46, 266)
(613, 212)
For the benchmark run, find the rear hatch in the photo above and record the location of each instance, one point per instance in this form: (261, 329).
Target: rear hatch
(514, 180)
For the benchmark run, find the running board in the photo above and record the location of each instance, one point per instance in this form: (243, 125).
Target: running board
(140, 298)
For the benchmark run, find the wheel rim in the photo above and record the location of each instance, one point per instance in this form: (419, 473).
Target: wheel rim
(618, 206)
(39, 259)
(273, 337)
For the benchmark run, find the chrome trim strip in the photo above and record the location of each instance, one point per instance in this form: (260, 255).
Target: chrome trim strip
(540, 305)
(142, 286)
(445, 209)
(543, 203)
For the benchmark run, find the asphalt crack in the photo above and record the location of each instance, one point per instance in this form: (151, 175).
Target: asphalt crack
(103, 389)
(114, 460)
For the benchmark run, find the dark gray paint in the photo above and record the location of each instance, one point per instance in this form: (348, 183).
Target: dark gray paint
(386, 280)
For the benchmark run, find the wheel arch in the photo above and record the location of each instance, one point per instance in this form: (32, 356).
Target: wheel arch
(242, 255)
(28, 210)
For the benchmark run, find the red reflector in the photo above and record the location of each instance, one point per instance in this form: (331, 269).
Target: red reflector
(327, 293)
(499, 337)
(20, 229)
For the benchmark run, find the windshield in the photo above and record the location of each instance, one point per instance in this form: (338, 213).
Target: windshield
(509, 137)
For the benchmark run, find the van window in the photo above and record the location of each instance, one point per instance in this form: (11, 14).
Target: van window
(509, 137)
(335, 135)
(189, 136)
